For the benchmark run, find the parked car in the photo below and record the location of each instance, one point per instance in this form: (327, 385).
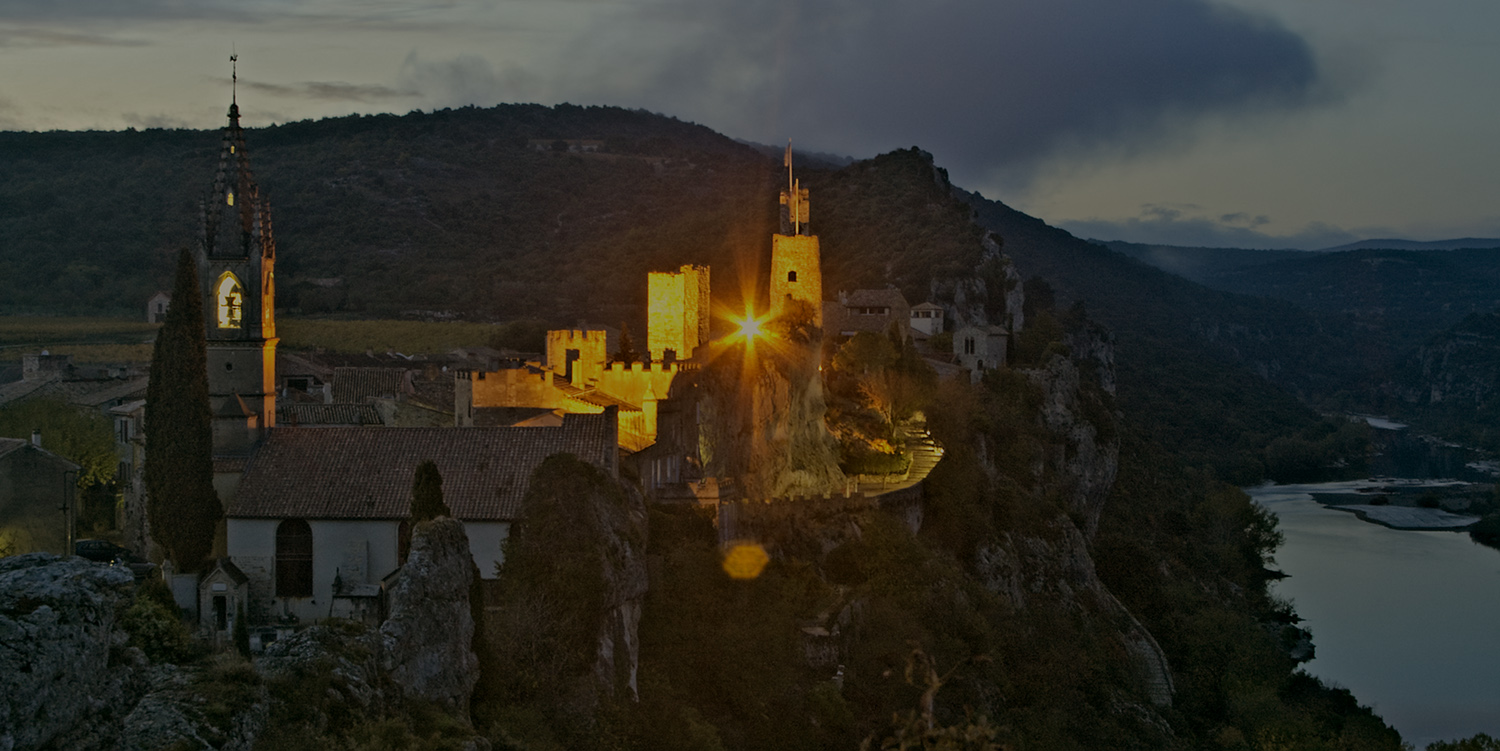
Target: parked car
(102, 551)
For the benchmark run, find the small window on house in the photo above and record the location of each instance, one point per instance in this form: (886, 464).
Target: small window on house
(969, 345)
(791, 276)
(294, 559)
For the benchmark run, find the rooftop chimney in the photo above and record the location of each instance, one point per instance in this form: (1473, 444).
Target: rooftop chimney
(36, 437)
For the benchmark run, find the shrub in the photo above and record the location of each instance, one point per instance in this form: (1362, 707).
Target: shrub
(157, 630)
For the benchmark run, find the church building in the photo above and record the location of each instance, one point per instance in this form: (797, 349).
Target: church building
(316, 518)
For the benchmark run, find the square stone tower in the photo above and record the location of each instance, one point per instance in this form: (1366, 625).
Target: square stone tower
(677, 311)
(796, 262)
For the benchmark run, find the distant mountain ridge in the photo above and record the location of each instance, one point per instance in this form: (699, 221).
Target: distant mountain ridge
(1463, 243)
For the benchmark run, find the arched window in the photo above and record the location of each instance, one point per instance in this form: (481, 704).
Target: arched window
(294, 559)
(229, 300)
(791, 276)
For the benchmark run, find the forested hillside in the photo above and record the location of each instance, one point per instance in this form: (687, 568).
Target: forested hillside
(1210, 374)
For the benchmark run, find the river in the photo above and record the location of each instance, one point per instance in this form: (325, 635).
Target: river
(1409, 621)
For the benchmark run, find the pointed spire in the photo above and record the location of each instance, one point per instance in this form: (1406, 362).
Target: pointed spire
(234, 90)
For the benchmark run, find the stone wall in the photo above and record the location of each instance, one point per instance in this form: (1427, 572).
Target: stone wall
(796, 272)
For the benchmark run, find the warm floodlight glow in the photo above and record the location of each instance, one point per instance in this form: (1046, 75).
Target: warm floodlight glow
(749, 328)
(745, 560)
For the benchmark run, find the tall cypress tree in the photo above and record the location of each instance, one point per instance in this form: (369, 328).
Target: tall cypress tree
(182, 506)
(427, 493)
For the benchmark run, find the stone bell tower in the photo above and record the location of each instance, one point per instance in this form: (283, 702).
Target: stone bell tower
(236, 256)
(796, 262)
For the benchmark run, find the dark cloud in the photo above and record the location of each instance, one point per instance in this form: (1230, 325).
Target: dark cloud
(330, 91)
(335, 15)
(986, 85)
(39, 37)
(1183, 224)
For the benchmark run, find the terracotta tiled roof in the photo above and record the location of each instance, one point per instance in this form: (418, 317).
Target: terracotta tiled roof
(101, 394)
(501, 417)
(9, 445)
(355, 384)
(593, 396)
(367, 474)
(18, 390)
(292, 414)
(875, 298)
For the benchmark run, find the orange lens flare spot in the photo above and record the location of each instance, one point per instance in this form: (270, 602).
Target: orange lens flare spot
(745, 560)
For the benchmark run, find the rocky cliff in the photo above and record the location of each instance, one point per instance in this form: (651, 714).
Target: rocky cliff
(765, 427)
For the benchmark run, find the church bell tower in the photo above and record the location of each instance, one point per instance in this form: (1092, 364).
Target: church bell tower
(236, 256)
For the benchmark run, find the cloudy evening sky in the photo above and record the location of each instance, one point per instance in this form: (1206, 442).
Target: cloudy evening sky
(1259, 123)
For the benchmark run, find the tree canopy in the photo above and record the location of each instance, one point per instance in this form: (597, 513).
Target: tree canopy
(427, 494)
(182, 507)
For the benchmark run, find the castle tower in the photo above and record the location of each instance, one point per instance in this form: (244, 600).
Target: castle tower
(677, 306)
(236, 257)
(796, 262)
(578, 355)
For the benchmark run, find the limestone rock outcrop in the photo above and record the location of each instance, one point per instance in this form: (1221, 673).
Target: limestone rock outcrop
(765, 425)
(427, 640)
(1076, 463)
(1086, 455)
(66, 676)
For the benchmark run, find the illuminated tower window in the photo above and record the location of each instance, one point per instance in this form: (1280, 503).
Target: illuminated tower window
(230, 301)
(229, 198)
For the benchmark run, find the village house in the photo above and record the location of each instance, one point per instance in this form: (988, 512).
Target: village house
(867, 310)
(980, 348)
(156, 307)
(36, 492)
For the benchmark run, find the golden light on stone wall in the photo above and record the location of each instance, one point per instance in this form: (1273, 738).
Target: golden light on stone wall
(796, 273)
(677, 311)
(745, 560)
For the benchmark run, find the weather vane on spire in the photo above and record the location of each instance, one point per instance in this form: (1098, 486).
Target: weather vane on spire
(234, 77)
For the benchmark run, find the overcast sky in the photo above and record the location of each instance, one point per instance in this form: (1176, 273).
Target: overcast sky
(1254, 123)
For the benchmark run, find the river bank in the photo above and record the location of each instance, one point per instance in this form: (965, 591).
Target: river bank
(1403, 619)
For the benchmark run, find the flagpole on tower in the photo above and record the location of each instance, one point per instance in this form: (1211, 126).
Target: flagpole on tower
(791, 191)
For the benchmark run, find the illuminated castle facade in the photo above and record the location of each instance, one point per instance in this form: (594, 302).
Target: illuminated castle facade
(796, 263)
(677, 308)
(236, 256)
